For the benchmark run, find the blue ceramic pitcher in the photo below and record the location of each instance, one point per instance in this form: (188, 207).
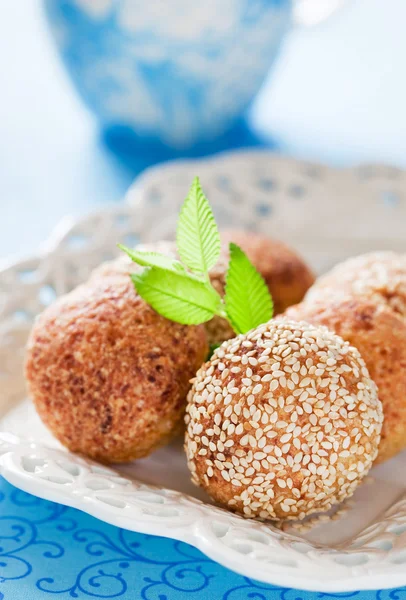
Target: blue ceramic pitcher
(179, 72)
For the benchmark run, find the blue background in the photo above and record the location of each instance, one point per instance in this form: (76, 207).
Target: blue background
(337, 96)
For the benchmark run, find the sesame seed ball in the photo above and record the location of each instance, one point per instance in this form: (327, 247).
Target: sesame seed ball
(282, 422)
(107, 374)
(380, 336)
(380, 276)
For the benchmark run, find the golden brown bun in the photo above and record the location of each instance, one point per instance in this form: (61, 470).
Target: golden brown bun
(108, 375)
(379, 276)
(380, 336)
(282, 422)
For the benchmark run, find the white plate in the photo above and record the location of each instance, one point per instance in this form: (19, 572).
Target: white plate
(327, 215)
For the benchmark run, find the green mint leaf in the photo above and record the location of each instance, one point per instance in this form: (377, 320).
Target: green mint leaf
(247, 298)
(177, 296)
(197, 236)
(153, 259)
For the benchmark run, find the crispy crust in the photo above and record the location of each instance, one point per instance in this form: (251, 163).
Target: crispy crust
(282, 422)
(108, 375)
(380, 336)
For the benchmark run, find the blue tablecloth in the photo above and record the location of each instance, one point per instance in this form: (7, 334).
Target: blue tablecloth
(50, 550)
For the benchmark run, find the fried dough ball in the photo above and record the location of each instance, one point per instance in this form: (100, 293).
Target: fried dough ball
(107, 374)
(379, 276)
(380, 336)
(282, 422)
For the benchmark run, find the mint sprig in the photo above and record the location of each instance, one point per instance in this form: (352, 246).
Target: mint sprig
(181, 290)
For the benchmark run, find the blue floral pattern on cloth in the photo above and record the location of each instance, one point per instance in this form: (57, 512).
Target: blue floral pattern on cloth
(50, 550)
